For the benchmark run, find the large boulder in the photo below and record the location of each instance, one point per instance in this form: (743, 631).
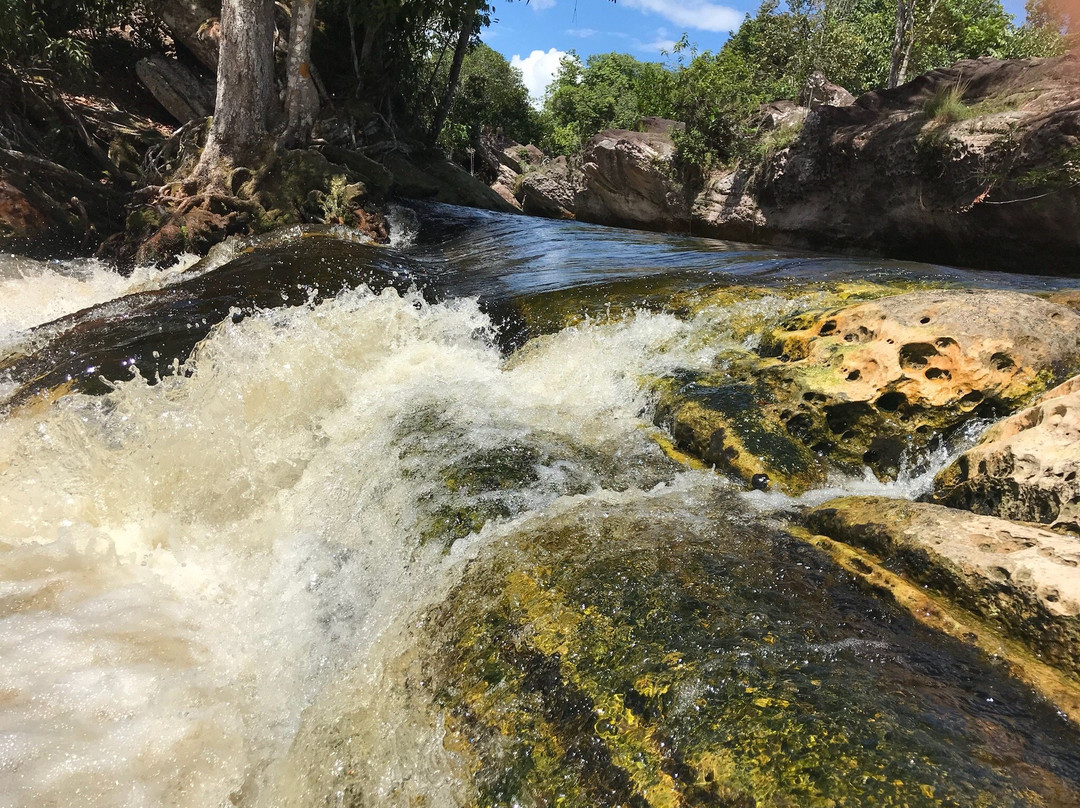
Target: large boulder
(819, 91)
(630, 180)
(1025, 467)
(1023, 579)
(991, 182)
(550, 190)
(868, 383)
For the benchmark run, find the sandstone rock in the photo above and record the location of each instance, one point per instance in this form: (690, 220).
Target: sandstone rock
(819, 91)
(1025, 467)
(431, 176)
(780, 114)
(550, 190)
(177, 89)
(630, 181)
(881, 176)
(1023, 579)
(869, 382)
(519, 158)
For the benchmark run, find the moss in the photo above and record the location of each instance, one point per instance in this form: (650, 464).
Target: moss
(620, 659)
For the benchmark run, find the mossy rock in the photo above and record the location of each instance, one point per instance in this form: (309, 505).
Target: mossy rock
(869, 383)
(622, 655)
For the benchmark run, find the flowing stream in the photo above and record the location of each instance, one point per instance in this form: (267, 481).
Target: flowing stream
(414, 543)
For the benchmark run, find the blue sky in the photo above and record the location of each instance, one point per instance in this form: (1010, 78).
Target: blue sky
(534, 35)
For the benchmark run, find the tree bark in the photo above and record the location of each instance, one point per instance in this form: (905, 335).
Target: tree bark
(245, 86)
(905, 15)
(301, 95)
(443, 108)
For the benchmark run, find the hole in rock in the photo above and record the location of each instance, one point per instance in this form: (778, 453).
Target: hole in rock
(974, 397)
(891, 402)
(1002, 361)
(945, 342)
(828, 327)
(916, 354)
(853, 376)
(937, 373)
(924, 320)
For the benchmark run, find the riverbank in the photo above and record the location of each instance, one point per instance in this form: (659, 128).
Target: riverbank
(972, 165)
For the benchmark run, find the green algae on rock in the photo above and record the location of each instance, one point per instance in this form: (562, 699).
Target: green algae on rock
(622, 655)
(1023, 579)
(864, 384)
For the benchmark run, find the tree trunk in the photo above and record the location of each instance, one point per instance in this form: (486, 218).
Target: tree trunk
(443, 109)
(904, 13)
(301, 96)
(245, 86)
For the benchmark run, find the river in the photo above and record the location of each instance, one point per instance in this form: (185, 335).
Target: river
(415, 543)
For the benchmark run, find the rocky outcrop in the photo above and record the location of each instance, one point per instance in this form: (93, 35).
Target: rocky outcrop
(994, 183)
(818, 91)
(550, 190)
(1026, 467)
(183, 94)
(866, 383)
(422, 175)
(1023, 579)
(630, 181)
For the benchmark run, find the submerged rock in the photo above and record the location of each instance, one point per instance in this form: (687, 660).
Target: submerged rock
(1023, 579)
(1026, 467)
(869, 382)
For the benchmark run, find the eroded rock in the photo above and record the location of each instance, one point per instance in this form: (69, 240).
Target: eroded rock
(1023, 579)
(550, 190)
(1025, 467)
(868, 383)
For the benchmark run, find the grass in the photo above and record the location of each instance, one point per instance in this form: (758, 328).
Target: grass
(947, 105)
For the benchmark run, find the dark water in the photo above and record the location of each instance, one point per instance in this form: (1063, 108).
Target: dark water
(393, 528)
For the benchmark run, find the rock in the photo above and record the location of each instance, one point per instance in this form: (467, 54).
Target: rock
(999, 188)
(660, 126)
(518, 158)
(819, 91)
(431, 176)
(550, 190)
(20, 221)
(781, 114)
(1026, 467)
(630, 181)
(374, 175)
(1023, 579)
(176, 88)
(866, 383)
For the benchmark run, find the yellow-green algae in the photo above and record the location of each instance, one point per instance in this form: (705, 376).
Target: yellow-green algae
(629, 655)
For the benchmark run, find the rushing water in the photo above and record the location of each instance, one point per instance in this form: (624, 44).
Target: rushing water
(420, 547)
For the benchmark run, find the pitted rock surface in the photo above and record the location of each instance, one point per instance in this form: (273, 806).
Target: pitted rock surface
(868, 383)
(1025, 467)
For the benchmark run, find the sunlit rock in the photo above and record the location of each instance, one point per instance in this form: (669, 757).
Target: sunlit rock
(1026, 467)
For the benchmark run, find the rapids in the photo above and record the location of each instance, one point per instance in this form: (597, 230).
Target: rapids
(415, 543)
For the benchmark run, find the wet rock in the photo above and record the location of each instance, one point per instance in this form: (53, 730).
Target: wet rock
(20, 221)
(819, 91)
(630, 181)
(1026, 467)
(550, 190)
(615, 654)
(869, 383)
(1024, 579)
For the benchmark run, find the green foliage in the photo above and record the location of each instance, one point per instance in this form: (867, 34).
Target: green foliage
(52, 33)
(491, 96)
(611, 90)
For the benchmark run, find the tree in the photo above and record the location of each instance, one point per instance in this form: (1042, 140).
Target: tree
(301, 97)
(246, 97)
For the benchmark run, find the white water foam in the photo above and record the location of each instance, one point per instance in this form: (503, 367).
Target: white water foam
(187, 566)
(34, 292)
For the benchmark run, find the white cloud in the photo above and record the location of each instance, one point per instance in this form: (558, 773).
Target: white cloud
(541, 5)
(538, 69)
(584, 33)
(665, 45)
(700, 14)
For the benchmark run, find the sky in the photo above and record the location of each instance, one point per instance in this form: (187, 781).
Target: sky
(536, 34)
